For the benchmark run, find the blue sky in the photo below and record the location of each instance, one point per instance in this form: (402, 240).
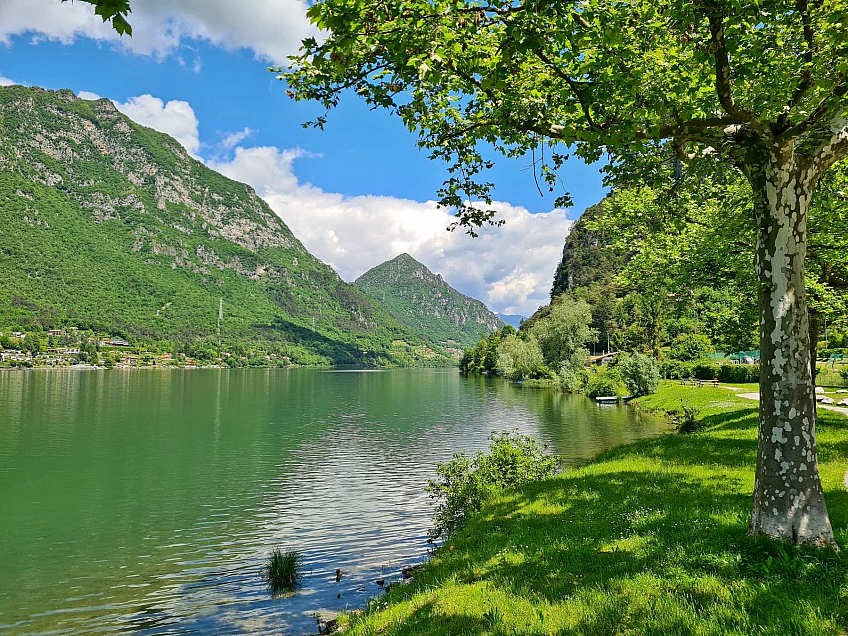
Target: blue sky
(364, 165)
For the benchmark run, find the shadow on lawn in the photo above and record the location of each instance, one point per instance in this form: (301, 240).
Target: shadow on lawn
(664, 550)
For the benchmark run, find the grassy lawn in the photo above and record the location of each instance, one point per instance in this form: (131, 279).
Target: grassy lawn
(648, 539)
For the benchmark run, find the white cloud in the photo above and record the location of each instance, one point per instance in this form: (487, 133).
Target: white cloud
(509, 268)
(175, 118)
(5, 81)
(88, 95)
(272, 30)
(232, 139)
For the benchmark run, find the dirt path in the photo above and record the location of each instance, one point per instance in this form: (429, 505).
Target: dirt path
(838, 409)
(756, 396)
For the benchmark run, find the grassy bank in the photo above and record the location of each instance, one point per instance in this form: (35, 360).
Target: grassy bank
(648, 539)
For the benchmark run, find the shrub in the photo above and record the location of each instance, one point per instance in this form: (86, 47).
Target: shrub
(689, 421)
(675, 369)
(604, 382)
(462, 485)
(691, 346)
(282, 571)
(640, 373)
(519, 358)
(843, 372)
(705, 370)
(739, 373)
(571, 380)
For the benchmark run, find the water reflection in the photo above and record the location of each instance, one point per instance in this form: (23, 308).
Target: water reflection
(147, 500)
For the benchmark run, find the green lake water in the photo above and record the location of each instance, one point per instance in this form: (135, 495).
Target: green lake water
(142, 500)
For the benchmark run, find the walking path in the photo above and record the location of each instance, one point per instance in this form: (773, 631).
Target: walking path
(838, 409)
(756, 396)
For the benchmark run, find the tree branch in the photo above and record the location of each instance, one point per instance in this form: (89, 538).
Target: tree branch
(571, 84)
(819, 114)
(806, 74)
(835, 148)
(724, 87)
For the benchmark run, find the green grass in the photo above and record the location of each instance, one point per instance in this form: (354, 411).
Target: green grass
(648, 539)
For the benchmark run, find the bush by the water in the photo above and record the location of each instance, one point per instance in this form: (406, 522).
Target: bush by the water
(283, 570)
(520, 358)
(604, 381)
(689, 421)
(462, 485)
(640, 374)
(571, 380)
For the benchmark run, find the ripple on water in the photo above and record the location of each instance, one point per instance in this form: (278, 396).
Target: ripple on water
(157, 496)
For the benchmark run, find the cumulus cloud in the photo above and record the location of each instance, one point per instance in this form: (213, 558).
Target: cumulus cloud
(509, 268)
(88, 95)
(175, 118)
(232, 139)
(272, 30)
(5, 81)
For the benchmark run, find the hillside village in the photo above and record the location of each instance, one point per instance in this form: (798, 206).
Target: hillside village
(77, 348)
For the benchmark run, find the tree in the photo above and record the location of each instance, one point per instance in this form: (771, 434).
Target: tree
(604, 76)
(114, 11)
(519, 358)
(32, 343)
(640, 374)
(564, 332)
(690, 346)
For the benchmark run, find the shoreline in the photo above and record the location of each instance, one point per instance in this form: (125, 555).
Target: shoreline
(628, 542)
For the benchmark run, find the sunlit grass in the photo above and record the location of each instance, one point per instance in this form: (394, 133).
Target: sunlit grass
(648, 539)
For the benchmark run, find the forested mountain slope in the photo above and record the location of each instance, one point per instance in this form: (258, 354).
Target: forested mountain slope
(109, 225)
(426, 304)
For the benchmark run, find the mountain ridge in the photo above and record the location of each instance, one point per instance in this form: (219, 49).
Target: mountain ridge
(111, 225)
(426, 304)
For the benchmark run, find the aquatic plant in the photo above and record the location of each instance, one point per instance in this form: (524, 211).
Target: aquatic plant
(283, 570)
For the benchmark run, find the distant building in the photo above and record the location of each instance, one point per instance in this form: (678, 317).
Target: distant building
(57, 332)
(130, 361)
(603, 359)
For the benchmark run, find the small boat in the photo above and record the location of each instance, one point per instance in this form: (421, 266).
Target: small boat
(609, 399)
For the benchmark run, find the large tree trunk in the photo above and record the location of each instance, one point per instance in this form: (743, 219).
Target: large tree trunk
(788, 499)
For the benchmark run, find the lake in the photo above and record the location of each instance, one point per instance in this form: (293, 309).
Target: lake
(145, 500)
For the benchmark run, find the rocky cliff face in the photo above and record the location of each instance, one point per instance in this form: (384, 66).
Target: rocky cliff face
(105, 221)
(584, 259)
(426, 303)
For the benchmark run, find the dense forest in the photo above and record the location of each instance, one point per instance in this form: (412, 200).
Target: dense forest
(642, 273)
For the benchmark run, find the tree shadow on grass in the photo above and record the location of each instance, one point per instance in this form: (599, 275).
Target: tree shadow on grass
(661, 547)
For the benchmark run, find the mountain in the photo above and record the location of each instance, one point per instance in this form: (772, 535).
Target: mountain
(585, 261)
(112, 226)
(426, 304)
(511, 319)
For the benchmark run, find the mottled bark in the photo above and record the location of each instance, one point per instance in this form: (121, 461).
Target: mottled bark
(788, 499)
